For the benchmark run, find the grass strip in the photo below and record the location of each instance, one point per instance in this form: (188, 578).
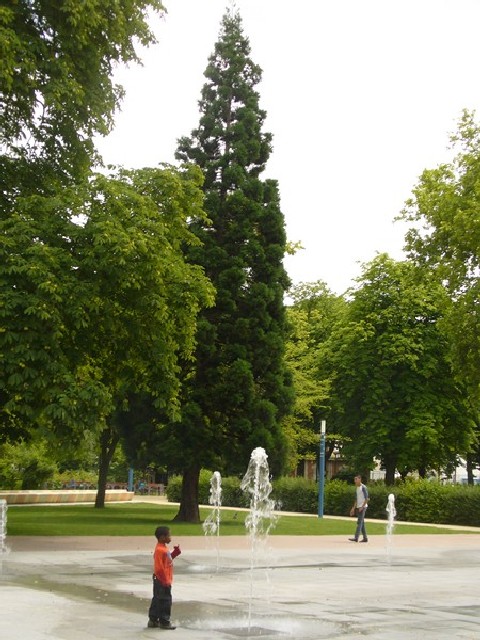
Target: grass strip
(141, 519)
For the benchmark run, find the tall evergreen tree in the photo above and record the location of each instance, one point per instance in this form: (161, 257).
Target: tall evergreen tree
(238, 391)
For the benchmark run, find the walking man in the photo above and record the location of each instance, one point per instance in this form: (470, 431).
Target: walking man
(360, 507)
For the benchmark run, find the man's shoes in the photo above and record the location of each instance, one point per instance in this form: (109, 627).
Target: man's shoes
(356, 540)
(166, 625)
(153, 624)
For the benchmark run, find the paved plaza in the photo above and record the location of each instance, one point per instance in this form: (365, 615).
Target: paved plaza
(421, 587)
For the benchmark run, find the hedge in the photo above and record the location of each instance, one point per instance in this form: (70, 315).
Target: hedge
(415, 500)
(232, 495)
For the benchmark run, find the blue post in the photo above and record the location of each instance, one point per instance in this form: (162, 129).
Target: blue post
(321, 469)
(130, 479)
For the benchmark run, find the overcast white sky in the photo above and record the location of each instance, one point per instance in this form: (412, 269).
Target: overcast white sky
(360, 96)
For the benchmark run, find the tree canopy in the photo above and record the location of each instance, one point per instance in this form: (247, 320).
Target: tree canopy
(97, 298)
(311, 319)
(394, 392)
(445, 240)
(56, 65)
(98, 304)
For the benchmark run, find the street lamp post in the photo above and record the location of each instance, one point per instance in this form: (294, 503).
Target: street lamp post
(321, 468)
(130, 486)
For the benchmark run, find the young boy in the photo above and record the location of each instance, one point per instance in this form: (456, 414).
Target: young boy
(161, 605)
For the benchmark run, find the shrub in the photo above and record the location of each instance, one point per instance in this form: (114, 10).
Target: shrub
(338, 498)
(77, 478)
(232, 495)
(419, 501)
(430, 502)
(174, 488)
(25, 465)
(415, 500)
(378, 501)
(461, 505)
(295, 494)
(36, 473)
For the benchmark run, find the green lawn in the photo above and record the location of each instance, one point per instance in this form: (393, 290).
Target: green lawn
(140, 519)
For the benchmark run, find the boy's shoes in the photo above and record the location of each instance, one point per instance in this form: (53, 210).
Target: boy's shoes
(364, 540)
(153, 624)
(160, 624)
(166, 625)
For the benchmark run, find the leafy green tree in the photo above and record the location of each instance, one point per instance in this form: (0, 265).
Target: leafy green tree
(310, 319)
(56, 92)
(94, 285)
(446, 240)
(238, 391)
(25, 465)
(394, 391)
(98, 303)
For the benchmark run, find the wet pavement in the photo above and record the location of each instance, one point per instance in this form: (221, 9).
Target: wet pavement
(421, 587)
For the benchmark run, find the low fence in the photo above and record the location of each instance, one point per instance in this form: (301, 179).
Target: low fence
(62, 496)
(143, 488)
(150, 489)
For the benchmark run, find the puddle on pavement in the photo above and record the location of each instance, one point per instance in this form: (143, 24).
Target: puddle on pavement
(117, 599)
(221, 619)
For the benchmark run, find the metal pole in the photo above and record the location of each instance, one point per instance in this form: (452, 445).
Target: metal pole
(130, 479)
(321, 468)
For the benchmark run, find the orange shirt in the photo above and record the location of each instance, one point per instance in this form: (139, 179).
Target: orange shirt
(162, 564)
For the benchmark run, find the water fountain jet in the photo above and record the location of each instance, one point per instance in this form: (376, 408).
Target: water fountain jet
(3, 531)
(261, 517)
(392, 512)
(211, 525)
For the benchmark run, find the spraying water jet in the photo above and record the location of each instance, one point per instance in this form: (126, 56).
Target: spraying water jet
(261, 517)
(3, 526)
(392, 512)
(211, 525)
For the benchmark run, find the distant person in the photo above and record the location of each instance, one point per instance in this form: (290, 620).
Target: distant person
(359, 508)
(161, 605)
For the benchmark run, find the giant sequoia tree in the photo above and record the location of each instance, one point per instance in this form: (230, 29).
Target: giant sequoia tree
(238, 391)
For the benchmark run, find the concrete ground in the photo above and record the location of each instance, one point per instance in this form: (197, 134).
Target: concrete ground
(421, 587)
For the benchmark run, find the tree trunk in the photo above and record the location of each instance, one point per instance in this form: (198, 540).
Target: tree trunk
(329, 449)
(470, 468)
(390, 474)
(189, 510)
(108, 443)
